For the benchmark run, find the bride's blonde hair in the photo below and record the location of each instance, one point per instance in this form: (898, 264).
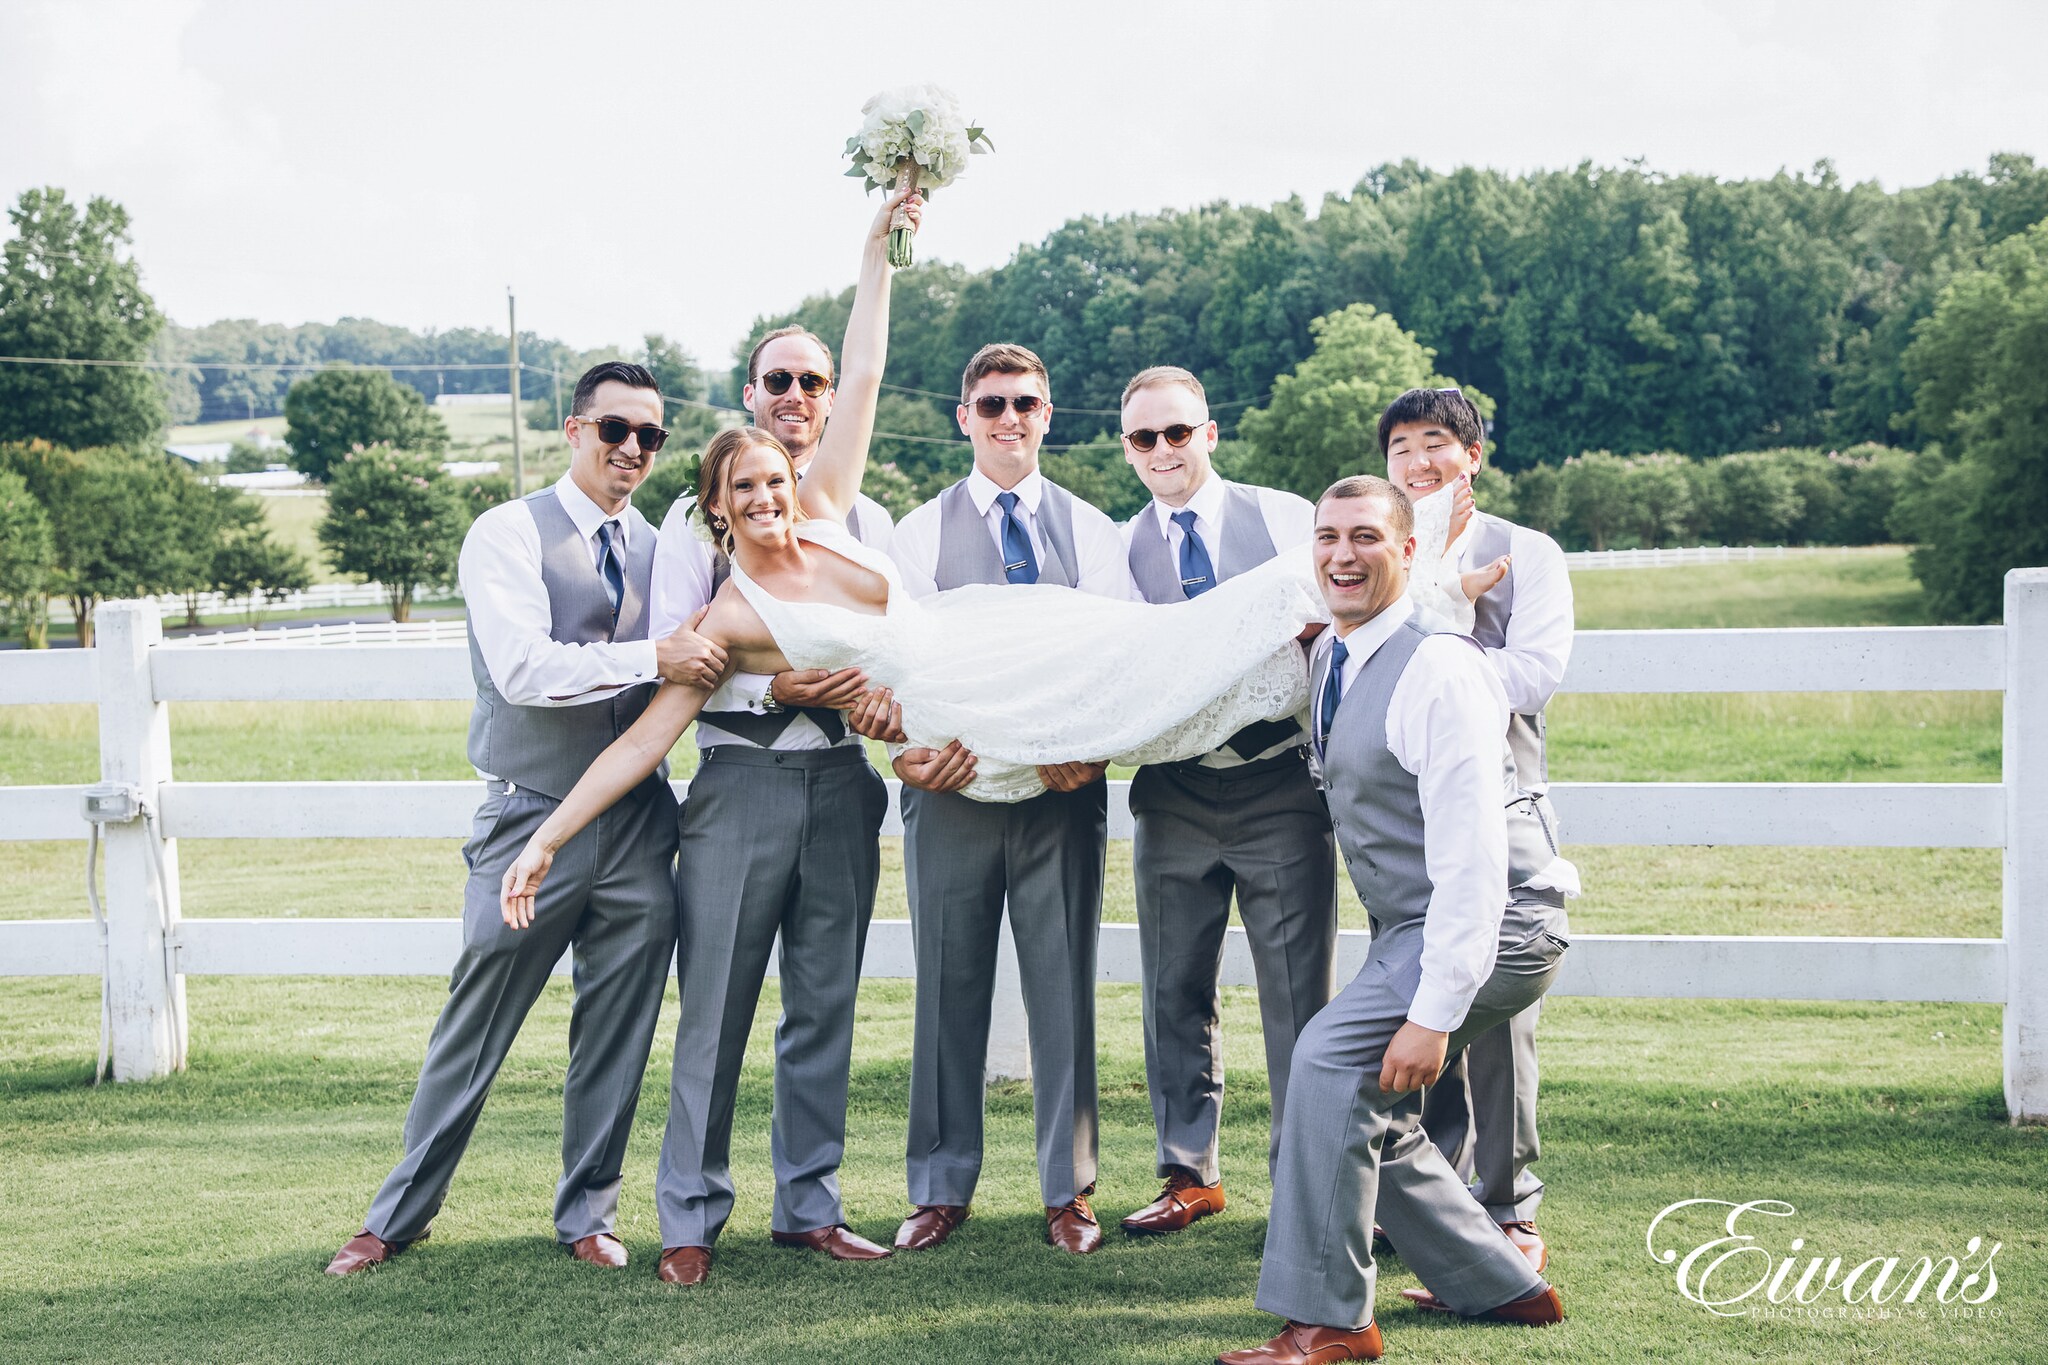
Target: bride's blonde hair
(714, 476)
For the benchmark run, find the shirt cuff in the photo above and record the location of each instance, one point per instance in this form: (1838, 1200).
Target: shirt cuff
(750, 690)
(638, 656)
(1436, 1007)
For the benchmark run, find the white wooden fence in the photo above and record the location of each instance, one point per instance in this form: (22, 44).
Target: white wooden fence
(147, 950)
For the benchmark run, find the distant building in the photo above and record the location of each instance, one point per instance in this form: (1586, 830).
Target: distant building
(472, 400)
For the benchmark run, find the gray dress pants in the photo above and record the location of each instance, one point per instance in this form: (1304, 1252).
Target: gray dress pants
(962, 860)
(1263, 832)
(608, 900)
(774, 843)
(1351, 1153)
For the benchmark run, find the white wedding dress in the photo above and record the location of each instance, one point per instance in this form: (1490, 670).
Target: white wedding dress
(1024, 676)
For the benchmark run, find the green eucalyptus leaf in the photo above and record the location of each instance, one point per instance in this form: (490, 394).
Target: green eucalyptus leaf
(856, 169)
(853, 144)
(916, 122)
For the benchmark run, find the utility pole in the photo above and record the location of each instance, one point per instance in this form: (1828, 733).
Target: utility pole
(512, 325)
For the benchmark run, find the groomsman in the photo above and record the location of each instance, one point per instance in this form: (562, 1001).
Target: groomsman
(1245, 819)
(1434, 830)
(780, 841)
(1482, 1114)
(964, 860)
(556, 584)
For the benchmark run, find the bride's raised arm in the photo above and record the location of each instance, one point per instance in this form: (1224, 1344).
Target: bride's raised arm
(835, 471)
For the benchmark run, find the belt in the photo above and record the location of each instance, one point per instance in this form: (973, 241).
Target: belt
(839, 755)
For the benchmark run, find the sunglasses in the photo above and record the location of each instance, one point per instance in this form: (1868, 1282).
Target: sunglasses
(991, 405)
(613, 431)
(777, 382)
(1176, 436)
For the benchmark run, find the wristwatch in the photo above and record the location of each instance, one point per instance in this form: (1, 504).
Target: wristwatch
(768, 702)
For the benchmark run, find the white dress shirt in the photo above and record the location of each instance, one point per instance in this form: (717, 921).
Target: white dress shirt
(1097, 542)
(1539, 636)
(1290, 521)
(510, 619)
(683, 568)
(1445, 723)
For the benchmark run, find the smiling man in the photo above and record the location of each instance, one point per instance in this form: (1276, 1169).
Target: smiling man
(1243, 821)
(1409, 731)
(964, 860)
(556, 584)
(1482, 1114)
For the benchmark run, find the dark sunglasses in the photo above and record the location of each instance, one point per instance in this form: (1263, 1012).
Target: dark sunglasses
(1176, 436)
(777, 382)
(613, 431)
(991, 405)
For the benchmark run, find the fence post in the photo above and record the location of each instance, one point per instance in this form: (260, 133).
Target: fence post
(2026, 845)
(1009, 1033)
(146, 996)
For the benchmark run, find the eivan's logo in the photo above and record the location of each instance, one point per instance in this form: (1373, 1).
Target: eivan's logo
(1734, 1276)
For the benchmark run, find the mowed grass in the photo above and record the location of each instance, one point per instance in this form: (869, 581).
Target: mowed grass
(189, 1220)
(1859, 586)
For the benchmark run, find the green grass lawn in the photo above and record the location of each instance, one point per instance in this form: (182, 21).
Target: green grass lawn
(188, 1220)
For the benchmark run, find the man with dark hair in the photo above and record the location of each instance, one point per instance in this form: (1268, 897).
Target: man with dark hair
(1408, 728)
(1482, 1113)
(1245, 821)
(965, 860)
(556, 584)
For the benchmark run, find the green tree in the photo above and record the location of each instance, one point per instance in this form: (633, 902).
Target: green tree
(227, 549)
(1976, 367)
(1323, 420)
(393, 518)
(116, 521)
(892, 488)
(1760, 501)
(338, 409)
(67, 292)
(28, 561)
(1601, 500)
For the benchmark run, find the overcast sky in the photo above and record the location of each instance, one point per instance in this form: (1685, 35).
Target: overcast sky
(674, 167)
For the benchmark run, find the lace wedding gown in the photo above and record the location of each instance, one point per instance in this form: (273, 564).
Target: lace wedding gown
(1030, 675)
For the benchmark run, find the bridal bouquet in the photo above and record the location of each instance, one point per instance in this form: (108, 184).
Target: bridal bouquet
(913, 136)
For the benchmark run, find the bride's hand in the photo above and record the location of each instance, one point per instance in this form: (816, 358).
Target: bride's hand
(877, 716)
(1461, 509)
(1477, 581)
(912, 204)
(516, 895)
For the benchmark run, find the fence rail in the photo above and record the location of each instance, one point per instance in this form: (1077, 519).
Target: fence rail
(147, 951)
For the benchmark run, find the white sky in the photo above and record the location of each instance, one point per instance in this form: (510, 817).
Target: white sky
(675, 167)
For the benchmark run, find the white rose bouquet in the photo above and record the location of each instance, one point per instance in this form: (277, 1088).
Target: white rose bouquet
(912, 137)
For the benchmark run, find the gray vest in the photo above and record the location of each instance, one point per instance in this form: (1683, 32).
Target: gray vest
(1246, 545)
(547, 748)
(968, 555)
(1491, 538)
(1376, 804)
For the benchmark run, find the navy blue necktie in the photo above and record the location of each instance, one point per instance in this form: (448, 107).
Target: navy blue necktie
(1333, 693)
(1197, 574)
(608, 567)
(1020, 563)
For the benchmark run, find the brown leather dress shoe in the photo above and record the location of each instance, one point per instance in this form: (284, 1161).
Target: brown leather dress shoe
(1540, 1309)
(684, 1265)
(366, 1249)
(599, 1248)
(839, 1242)
(1529, 1242)
(1301, 1344)
(1184, 1199)
(1072, 1227)
(929, 1226)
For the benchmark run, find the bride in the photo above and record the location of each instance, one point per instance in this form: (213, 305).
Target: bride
(1020, 676)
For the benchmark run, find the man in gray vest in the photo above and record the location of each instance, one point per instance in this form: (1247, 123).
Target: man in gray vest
(964, 859)
(781, 842)
(1245, 819)
(1482, 1113)
(1409, 730)
(556, 584)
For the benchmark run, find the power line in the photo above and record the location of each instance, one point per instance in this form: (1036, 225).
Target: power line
(314, 365)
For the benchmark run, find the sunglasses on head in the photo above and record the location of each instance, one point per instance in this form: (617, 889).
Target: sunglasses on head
(991, 405)
(613, 431)
(777, 382)
(1176, 436)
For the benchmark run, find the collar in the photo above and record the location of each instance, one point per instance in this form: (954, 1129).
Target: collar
(1206, 504)
(983, 490)
(587, 515)
(1365, 641)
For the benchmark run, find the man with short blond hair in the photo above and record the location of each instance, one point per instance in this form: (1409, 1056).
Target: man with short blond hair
(1244, 820)
(965, 861)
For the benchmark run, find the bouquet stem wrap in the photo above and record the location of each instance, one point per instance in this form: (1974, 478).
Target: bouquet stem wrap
(899, 229)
